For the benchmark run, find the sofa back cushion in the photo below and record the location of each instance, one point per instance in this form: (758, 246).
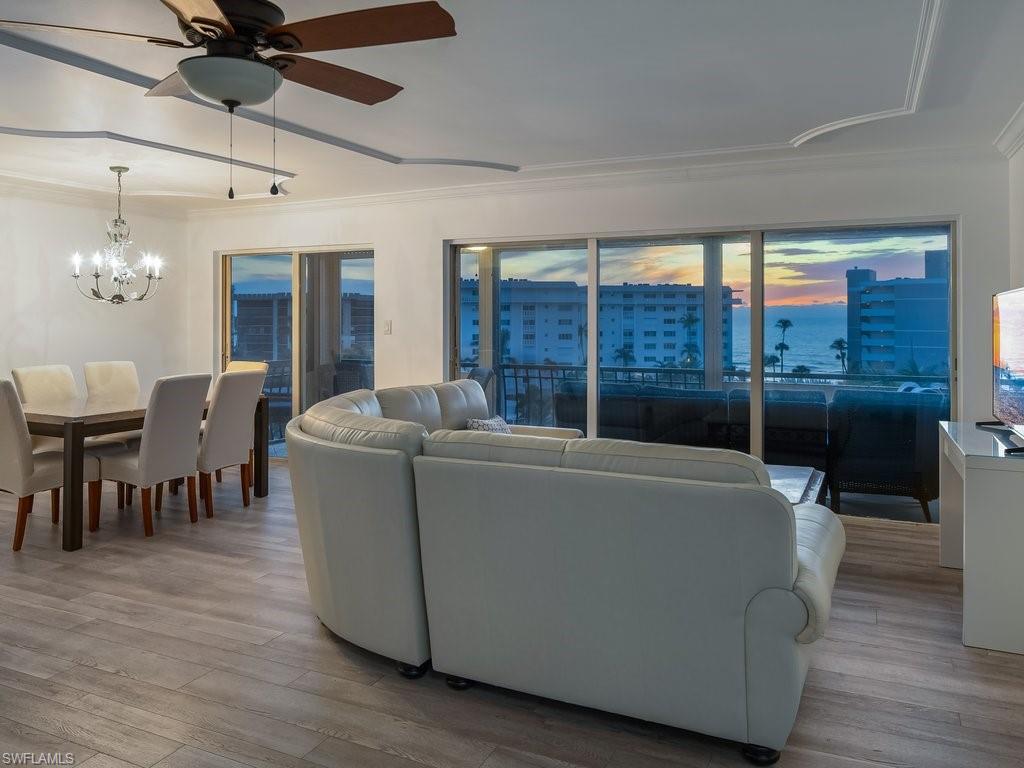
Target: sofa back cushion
(417, 403)
(334, 421)
(659, 460)
(362, 401)
(460, 401)
(490, 446)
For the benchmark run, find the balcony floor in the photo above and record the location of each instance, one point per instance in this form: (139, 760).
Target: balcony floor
(197, 648)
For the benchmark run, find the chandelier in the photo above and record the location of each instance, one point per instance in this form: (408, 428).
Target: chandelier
(111, 265)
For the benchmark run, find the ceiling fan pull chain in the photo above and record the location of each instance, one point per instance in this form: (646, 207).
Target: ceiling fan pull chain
(231, 147)
(273, 132)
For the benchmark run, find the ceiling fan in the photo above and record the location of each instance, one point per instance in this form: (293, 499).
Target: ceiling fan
(236, 34)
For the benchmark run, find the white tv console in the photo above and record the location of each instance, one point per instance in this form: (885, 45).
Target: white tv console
(981, 492)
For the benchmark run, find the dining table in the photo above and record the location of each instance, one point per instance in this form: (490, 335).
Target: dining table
(79, 418)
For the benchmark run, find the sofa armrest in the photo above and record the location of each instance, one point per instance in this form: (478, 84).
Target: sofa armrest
(820, 543)
(562, 433)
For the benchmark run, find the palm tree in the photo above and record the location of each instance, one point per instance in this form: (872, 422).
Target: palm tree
(773, 361)
(691, 355)
(782, 347)
(581, 340)
(801, 370)
(839, 345)
(625, 355)
(783, 325)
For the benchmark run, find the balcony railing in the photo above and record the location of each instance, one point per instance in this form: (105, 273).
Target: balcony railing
(524, 393)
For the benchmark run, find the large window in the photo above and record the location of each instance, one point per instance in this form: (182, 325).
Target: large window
(828, 349)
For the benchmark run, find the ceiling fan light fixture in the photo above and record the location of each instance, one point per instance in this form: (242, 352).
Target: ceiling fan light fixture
(220, 79)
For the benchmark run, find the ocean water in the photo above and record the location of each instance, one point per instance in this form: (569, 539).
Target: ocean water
(814, 328)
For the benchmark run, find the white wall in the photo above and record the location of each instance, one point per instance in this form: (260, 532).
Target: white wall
(1016, 173)
(43, 319)
(407, 236)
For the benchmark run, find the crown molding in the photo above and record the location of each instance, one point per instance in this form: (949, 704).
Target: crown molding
(679, 175)
(920, 62)
(14, 185)
(1011, 138)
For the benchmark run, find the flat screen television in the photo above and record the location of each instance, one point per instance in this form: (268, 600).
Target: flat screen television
(1008, 359)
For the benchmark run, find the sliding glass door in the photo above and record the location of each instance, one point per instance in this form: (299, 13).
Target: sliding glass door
(522, 328)
(309, 316)
(337, 324)
(667, 349)
(857, 357)
(258, 327)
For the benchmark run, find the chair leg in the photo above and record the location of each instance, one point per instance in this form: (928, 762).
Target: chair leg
(95, 495)
(925, 508)
(251, 467)
(24, 508)
(129, 494)
(55, 506)
(173, 486)
(159, 497)
(147, 510)
(206, 490)
(120, 495)
(193, 513)
(244, 471)
(220, 477)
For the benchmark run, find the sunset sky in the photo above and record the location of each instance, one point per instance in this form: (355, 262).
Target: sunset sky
(800, 268)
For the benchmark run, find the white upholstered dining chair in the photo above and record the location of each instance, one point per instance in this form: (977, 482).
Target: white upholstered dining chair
(227, 435)
(167, 449)
(115, 379)
(24, 472)
(46, 384)
(248, 365)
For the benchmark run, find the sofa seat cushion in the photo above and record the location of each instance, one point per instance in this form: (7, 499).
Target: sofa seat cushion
(660, 460)
(416, 403)
(461, 401)
(491, 446)
(336, 424)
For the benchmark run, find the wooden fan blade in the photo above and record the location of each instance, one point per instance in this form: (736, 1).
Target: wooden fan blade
(356, 29)
(172, 85)
(32, 26)
(204, 15)
(341, 81)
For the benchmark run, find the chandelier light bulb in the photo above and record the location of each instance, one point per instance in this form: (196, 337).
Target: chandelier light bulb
(76, 260)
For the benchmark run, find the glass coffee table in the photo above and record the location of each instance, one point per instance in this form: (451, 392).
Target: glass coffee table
(801, 485)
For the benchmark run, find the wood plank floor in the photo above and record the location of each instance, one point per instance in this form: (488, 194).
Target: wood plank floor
(198, 649)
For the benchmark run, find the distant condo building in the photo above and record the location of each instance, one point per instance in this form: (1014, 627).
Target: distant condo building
(642, 325)
(899, 325)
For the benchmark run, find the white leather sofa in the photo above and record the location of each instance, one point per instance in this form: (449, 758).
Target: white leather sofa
(350, 459)
(666, 583)
(661, 582)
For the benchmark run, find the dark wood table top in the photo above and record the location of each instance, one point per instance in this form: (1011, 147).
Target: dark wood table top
(89, 410)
